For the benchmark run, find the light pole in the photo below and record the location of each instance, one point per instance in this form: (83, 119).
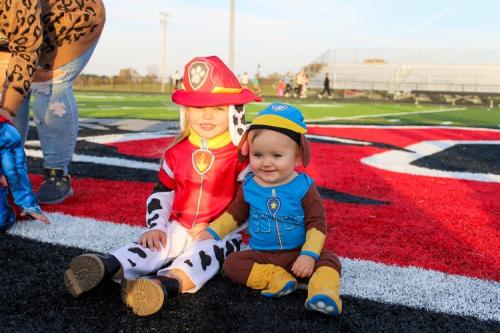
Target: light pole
(164, 22)
(231, 36)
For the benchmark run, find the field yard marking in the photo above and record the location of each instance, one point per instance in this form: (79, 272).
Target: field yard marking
(478, 129)
(336, 139)
(400, 160)
(114, 161)
(410, 286)
(385, 114)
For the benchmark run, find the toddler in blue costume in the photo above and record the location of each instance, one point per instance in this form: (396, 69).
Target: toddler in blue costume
(285, 215)
(14, 176)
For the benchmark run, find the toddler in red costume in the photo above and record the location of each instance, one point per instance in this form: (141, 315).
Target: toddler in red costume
(197, 179)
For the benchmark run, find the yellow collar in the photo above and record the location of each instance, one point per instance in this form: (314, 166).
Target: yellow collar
(213, 143)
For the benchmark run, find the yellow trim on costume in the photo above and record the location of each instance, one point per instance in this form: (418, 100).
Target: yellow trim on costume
(314, 241)
(213, 143)
(277, 121)
(222, 90)
(224, 225)
(325, 281)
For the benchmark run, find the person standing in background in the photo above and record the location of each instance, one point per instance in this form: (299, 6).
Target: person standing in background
(326, 88)
(49, 43)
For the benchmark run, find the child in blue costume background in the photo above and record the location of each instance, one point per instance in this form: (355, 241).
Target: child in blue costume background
(14, 177)
(285, 215)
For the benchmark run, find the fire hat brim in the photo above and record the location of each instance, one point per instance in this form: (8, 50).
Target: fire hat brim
(204, 99)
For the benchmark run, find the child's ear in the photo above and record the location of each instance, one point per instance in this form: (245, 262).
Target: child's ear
(298, 159)
(306, 150)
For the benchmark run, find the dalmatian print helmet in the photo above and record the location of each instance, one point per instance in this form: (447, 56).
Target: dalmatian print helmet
(207, 81)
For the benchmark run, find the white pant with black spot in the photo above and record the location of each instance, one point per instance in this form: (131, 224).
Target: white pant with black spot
(200, 260)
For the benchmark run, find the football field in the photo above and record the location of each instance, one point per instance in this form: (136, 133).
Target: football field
(411, 198)
(160, 107)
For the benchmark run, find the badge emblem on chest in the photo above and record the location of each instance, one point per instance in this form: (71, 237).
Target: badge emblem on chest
(273, 204)
(202, 161)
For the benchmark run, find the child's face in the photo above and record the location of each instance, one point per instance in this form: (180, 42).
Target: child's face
(273, 157)
(208, 122)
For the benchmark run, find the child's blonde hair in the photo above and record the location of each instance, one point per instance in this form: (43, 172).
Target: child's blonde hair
(183, 133)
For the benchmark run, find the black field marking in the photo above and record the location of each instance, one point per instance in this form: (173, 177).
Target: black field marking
(476, 158)
(370, 143)
(220, 306)
(327, 193)
(99, 171)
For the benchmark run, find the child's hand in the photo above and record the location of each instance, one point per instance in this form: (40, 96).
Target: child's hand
(153, 239)
(303, 266)
(3, 181)
(37, 216)
(203, 235)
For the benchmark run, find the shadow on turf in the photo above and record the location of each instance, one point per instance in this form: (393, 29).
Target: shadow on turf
(34, 299)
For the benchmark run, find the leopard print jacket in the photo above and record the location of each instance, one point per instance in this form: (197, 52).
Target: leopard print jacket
(43, 33)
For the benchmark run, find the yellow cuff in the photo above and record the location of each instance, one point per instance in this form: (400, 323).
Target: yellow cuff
(223, 225)
(315, 240)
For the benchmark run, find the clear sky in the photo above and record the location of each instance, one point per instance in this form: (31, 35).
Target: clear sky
(285, 35)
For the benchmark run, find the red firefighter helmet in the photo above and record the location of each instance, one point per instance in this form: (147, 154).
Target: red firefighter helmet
(209, 82)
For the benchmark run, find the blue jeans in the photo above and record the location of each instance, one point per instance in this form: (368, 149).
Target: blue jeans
(55, 114)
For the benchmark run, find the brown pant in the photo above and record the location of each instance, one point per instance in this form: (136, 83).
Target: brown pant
(238, 265)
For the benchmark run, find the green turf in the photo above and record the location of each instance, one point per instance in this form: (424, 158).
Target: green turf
(150, 106)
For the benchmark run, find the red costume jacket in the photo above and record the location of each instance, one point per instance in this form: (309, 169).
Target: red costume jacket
(204, 180)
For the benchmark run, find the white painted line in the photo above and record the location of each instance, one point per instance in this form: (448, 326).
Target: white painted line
(400, 161)
(113, 161)
(478, 129)
(386, 114)
(335, 139)
(410, 286)
(420, 288)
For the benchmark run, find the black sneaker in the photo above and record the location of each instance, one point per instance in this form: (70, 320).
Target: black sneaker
(55, 188)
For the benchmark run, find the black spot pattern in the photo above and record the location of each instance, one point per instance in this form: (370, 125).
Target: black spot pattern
(153, 205)
(229, 248)
(138, 251)
(219, 255)
(188, 262)
(132, 263)
(151, 219)
(237, 243)
(206, 260)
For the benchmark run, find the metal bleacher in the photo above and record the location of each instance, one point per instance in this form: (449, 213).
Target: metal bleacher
(406, 71)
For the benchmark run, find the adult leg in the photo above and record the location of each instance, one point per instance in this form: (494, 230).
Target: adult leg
(22, 119)
(56, 117)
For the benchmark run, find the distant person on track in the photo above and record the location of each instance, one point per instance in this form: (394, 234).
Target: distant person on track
(288, 84)
(198, 178)
(285, 215)
(50, 42)
(326, 88)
